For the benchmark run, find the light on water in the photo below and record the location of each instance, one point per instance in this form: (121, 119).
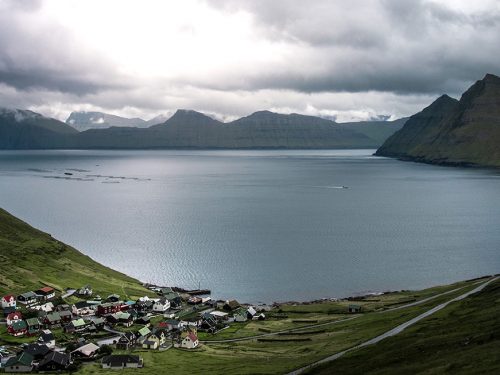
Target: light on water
(262, 225)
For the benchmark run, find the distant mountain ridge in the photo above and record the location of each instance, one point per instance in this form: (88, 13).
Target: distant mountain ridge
(454, 132)
(82, 121)
(22, 129)
(191, 129)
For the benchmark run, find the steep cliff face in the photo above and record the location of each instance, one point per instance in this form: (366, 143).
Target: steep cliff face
(465, 132)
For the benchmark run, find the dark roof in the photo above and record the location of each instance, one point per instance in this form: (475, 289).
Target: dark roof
(36, 349)
(47, 336)
(129, 336)
(82, 304)
(120, 359)
(9, 310)
(59, 358)
(233, 304)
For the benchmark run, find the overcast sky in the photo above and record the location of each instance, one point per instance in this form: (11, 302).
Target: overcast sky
(352, 60)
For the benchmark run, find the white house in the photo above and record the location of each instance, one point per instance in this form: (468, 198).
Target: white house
(86, 351)
(27, 298)
(161, 305)
(190, 341)
(251, 312)
(219, 315)
(47, 307)
(8, 301)
(85, 291)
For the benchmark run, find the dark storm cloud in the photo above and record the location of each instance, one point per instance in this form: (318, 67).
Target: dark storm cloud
(34, 78)
(389, 45)
(395, 56)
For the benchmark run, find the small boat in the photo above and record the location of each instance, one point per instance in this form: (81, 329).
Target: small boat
(68, 173)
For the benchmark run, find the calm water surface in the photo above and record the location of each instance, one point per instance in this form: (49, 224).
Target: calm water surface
(262, 225)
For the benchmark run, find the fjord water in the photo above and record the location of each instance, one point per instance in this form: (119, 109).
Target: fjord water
(263, 225)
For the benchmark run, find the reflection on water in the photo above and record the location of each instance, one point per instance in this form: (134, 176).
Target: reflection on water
(262, 225)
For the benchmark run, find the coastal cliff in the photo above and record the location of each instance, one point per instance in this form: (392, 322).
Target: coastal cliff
(451, 132)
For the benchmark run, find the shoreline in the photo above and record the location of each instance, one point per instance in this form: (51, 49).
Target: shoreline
(352, 298)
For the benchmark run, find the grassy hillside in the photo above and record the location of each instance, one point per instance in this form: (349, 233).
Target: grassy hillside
(460, 339)
(463, 338)
(30, 258)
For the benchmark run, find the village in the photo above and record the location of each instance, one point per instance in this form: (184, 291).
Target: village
(45, 330)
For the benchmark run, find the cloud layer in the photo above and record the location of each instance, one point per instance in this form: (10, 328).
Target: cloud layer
(351, 60)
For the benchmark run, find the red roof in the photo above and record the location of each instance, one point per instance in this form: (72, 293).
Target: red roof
(8, 297)
(192, 336)
(46, 289)
(15, 315)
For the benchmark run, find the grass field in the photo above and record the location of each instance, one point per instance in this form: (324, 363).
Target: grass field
(279, 356)
(463, 338)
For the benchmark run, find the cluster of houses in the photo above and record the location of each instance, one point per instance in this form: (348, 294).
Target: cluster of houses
(38, 314)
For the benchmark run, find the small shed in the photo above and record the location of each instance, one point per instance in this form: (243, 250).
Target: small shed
(354, 309)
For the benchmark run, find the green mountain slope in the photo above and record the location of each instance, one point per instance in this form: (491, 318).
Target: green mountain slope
(463, 338)
(30, 258)
(465, 132)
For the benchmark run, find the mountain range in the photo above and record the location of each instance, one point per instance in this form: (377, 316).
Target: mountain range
(453, 132)
(82, 121)
(20, 129)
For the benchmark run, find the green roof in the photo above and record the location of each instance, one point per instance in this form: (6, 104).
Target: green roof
(78, 323)
(123, 315)
(32, 321)
(171, 295)
(52, 317)
(23, 359)
(144, 331)
(29, 295)
(19, 325)
(240, 311)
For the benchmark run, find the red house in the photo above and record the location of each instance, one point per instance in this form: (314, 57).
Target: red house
(14, 317)
(18, 328)
(109, 308)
